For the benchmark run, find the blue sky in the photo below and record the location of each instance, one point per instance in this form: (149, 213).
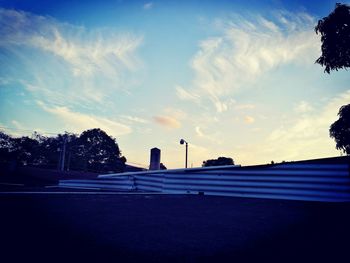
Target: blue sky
(233, 78)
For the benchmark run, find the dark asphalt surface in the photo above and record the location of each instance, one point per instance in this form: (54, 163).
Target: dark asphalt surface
(170, 228)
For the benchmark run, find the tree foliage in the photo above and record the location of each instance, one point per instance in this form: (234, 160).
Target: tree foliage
(93, 150)
(100, 151)
(218, 162)
(335, 38)
(6, 148)
(340, 129)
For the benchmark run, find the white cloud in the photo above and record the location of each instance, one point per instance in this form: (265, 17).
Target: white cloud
(199, 132)
(17, 125)
(175, 113)
(209, 137)
(247, 49)
(4, 81)
(87, 52)
(135, 119)
(148, 6)
(245, 107)
(65, 63)
(269, 25)
(303, 107)
(78, 122)
(186, 95)
(304, 137)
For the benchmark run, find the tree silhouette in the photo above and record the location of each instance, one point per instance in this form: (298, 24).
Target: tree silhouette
(100, 151)
(218, 162)
(335, 38)
(93, 150)
(340, 129)
(7, 148)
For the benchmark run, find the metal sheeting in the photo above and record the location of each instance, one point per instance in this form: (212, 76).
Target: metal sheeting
(295, 181)
(151, 182)
(289, 181)
(122, 183)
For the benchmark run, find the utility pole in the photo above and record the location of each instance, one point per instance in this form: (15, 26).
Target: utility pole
(182, 141)
(63, 153)
(186, 154)
(69, 157)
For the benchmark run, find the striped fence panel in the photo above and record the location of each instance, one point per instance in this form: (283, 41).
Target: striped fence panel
(302, 182)
(121, 183)
(150, 182)
(295, 181)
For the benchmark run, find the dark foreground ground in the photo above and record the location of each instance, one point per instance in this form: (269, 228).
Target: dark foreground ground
(82, 227)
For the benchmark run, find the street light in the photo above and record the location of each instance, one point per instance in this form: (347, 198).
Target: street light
(182, 141)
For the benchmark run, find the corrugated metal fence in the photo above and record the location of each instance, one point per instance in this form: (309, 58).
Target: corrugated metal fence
(119, 183)
(295, 181)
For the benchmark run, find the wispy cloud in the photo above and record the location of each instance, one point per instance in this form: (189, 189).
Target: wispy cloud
(148, 6)
(184, 94)
(175, 113)
(304, 136)
(78, 122)
(67, 59)
(245, 50)
(244, 107)
(209, 137)
(86, 51)
(167, 121)
(17, 125)
(135, 119)
(303, 107)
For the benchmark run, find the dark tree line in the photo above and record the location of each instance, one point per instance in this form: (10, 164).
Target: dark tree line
(335, 38)
(93, 150)
(340, 129)
(218, 162)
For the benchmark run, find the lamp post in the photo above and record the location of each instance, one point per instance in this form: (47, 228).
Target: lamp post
(182, 141)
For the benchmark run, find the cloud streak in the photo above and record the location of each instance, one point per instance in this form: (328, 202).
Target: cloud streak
(209, 137)
(61, 58)
(302, 137)
(245, 50)
(78, 122)
(86, 51)
(148, 6)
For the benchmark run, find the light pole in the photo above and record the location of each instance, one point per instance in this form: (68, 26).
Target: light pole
(182, 141)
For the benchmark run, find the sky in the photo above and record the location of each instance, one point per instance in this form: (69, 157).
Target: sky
(232, 78)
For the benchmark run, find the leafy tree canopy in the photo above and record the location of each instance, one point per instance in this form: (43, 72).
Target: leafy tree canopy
(101, 151)
(93, 150)
(335, 38)
(340, 129)
(218, 162)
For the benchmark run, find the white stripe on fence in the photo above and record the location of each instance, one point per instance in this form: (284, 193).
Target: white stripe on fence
(296, 181)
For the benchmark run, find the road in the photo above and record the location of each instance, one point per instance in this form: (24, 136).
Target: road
(78, 226)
